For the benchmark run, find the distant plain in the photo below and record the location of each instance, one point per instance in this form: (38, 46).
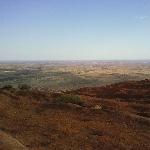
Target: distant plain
(64, 75)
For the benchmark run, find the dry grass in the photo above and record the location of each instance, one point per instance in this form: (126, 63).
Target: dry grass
(33, 119)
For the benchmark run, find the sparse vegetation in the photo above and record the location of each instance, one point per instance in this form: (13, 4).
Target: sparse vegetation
(24, 87)
(32, 118)
(74, 99)
(7, 87)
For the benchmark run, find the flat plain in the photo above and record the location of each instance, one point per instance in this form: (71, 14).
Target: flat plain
(64, 75)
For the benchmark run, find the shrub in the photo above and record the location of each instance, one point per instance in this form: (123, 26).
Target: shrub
(7, 87)
(24, 87)
(74, 99)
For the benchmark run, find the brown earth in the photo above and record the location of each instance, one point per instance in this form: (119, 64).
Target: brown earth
(114, 117)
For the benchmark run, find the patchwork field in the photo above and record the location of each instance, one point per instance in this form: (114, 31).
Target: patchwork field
(64, 75)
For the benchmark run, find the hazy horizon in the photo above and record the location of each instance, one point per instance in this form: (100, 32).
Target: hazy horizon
(75, 60)
(74, 30)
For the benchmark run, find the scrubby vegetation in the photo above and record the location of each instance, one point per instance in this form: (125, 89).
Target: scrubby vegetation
(74, 99)
(24, 87)
(32, 119)
(8, 86)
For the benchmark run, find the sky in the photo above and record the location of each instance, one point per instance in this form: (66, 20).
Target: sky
(74, 29)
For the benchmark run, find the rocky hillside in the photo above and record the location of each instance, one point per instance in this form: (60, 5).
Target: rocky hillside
(111, 117)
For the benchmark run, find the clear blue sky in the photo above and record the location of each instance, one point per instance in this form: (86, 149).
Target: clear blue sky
(74, 29)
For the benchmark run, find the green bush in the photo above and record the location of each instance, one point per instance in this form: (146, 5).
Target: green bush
(74, 99)
(24, 87)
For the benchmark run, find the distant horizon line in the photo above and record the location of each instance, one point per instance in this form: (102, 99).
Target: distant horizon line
(34, 60)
